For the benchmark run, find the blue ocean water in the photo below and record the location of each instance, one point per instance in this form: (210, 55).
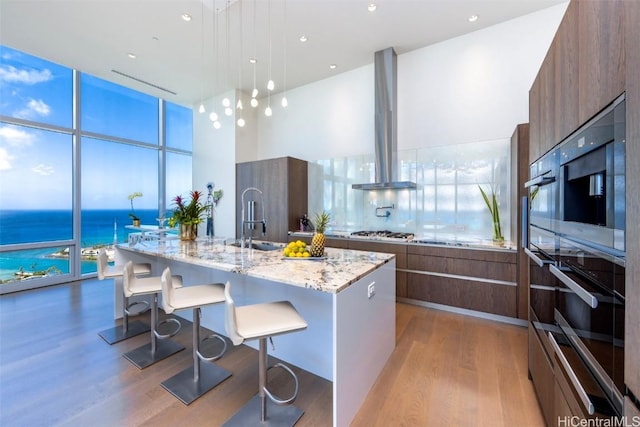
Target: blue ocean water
(30, 226)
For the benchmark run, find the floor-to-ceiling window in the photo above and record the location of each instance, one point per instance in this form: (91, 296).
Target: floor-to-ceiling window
(73, 150)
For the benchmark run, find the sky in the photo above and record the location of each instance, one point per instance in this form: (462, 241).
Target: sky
(36, 165)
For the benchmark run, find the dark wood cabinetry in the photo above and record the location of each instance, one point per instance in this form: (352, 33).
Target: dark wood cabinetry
(595, 56)
(583, 71)
(541, 373)
(474, 279)
(632, 278)
(520, 175)
(566, 62)
(283, 182)
(601, 71)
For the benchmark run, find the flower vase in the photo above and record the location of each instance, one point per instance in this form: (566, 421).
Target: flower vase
(188, 231)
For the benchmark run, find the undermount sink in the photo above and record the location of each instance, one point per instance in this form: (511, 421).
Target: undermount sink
(259, 246)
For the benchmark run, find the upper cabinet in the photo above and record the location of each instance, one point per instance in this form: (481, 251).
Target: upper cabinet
(582, 72)
(601, 55)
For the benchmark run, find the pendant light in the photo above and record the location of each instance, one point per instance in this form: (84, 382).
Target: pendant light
(214, 116)
(270, 85)
(226, 103)
(240, 121)
(254, 60)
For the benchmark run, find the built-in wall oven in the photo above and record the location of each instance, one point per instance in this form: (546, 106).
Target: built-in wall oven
(589, 311)
(575, 219)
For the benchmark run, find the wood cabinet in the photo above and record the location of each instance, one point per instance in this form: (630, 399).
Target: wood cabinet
(541, 374)
(601, 70)
(566, 93)
(583, 71)
(474, 279)
(283, 182)
(632, 278)
(520, 175)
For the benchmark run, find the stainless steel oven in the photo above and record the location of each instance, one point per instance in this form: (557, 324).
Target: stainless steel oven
(592, 181)
(576, 242)
(589, 310)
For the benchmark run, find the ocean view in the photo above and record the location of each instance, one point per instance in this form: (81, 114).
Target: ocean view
(29, 226)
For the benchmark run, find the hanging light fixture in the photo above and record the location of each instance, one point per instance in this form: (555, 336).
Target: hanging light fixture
(270, 85)
(214, 116)
(226, 103)
(240, 121)
(254, 60)
(284, 101)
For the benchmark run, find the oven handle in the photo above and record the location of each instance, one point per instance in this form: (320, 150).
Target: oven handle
(535, 258)
(572, 376)
(585, 295)
(540, 180)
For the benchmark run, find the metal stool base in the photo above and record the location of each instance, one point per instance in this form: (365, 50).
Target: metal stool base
(143, 356)
(249, 415)
(183, 386)
(116, 334)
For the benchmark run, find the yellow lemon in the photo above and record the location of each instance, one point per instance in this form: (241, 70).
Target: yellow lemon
(299, 255)
(287, 251)
(305, 254)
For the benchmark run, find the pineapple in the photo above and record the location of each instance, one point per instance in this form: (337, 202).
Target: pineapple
(317, 244)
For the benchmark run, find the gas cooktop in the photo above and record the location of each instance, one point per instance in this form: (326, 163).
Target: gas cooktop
(382, 235)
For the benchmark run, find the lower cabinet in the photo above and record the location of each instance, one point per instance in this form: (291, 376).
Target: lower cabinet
(541, 373)
(482, 280)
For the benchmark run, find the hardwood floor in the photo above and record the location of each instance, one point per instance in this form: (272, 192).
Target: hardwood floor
(447, 369)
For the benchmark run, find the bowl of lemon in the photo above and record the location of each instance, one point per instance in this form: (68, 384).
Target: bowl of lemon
(298, 250)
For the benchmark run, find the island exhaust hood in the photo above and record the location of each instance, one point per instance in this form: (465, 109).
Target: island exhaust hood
(386, 107)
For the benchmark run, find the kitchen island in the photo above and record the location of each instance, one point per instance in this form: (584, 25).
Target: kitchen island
(347, 299)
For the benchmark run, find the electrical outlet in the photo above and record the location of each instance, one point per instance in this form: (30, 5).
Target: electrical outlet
(371, 290)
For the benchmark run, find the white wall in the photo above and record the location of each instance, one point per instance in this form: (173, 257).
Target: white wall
(470, 88)
(214, 159)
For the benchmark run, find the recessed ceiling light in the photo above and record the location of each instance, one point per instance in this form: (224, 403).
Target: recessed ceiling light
(253, 60)
(473, 18)
(303, 39)
(333, 66)
(186, 17)
(131, 55)
(372, 7)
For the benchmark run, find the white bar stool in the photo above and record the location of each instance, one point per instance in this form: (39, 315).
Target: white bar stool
(128, 329)
(156, 350)
(262, 321)
(192, 383)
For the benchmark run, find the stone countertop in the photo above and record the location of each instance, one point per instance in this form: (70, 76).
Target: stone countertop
(341, 267)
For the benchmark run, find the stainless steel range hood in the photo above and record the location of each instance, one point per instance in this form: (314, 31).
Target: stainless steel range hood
(386, 129)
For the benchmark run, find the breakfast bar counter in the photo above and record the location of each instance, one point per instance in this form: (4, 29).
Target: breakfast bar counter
(347, 299)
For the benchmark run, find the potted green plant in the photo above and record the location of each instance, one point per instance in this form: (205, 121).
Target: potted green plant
(132, 214)
(492, 205)
(188, 214)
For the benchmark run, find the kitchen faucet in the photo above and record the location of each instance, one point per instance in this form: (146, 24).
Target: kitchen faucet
(248, 219)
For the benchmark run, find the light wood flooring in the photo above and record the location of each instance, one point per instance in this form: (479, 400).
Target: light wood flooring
(447, 370)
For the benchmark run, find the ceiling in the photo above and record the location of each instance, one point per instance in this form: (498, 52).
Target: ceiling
(176, 60)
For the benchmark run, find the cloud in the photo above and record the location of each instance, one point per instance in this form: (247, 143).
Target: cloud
(34, 107)
(43, 169)
(11, 74)
(15, 137)
(5, 160)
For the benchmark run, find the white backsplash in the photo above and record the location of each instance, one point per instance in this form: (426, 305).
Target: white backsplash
(447, 204)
